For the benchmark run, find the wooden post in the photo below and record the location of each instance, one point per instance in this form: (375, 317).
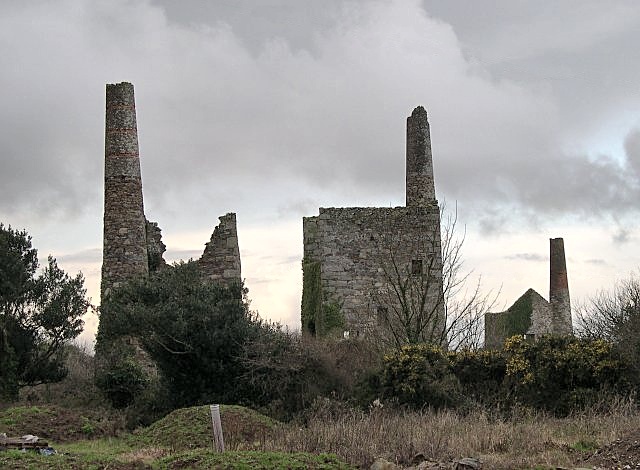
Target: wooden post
(218, 440)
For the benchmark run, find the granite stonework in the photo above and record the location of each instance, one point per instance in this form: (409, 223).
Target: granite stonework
(220, 261)
(359, 248)
(155, 247)
(531, 315)
(133, 246)
(124, 253)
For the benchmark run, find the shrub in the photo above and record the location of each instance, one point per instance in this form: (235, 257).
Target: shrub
(122, 381)
(481, 374)
(561, 374)
(418, 375)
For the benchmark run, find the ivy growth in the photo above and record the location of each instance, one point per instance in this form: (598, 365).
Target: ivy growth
(317, 318)
(517, 319)
(311, 295)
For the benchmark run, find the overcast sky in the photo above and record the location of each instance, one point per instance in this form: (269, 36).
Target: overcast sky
(274, 108)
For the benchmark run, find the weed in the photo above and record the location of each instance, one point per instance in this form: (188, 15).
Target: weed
(87, 427)
(584, 446)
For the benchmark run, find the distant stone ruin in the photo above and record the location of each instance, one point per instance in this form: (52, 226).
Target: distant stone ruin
(132, 245)
(353, 255)
(531, 315)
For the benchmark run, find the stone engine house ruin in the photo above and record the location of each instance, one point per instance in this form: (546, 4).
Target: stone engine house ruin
(531, 315)
(354, 256)
(132, 246)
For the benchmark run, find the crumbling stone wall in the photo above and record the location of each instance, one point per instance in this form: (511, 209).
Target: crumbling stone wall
(358, 250)
(350, 254)
(220, 261)
(155, 247)
(529, 316)
(133, 246)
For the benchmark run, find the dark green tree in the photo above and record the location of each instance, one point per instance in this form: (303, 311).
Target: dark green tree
(192, 331)
(39, 314)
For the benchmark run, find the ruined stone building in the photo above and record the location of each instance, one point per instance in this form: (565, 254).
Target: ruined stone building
(356, 257)
(531, 315)
(132, 245)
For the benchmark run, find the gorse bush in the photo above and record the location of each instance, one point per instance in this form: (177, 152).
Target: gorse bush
(419, 375)
(481, 374)
(557, 374)
(563, 373)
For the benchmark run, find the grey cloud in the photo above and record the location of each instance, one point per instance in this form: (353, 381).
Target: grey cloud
(262, 105)
(91, 255)
(528, 257)
(622, 236)
(299, 207)
(632, 151)
(596, 261)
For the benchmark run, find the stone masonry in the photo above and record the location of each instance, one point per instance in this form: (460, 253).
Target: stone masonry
(220, 261)
(531, 315)
(124, 253)
(355, 252)
(132, 245)
(559, 288)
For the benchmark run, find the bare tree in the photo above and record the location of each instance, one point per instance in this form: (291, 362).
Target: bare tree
(428, 296)
(613, 315)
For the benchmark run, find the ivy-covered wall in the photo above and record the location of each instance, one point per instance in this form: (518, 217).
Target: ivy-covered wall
(516, 321)
(318, 318)
(354, 245)
(311, 295)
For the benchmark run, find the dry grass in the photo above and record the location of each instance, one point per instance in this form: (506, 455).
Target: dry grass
(525, 440)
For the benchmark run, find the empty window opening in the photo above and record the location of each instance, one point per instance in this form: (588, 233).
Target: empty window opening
(416, 267)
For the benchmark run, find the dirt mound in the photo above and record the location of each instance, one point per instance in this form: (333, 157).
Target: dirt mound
(621, 453)
(55, 423)
(190, 428)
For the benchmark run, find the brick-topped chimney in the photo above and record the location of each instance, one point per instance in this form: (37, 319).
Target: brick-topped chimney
(559, 288)
(124, 254)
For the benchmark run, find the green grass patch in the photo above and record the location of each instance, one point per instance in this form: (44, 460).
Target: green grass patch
(17, 414)
(31, 460)
(585, 446)
(252, 460)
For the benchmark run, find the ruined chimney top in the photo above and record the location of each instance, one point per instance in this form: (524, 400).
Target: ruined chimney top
(419, 111)
(120, 94)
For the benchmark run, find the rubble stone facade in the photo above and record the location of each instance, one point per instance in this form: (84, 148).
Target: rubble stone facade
(351, 255)
(124, 253)
(132, 246)
(220, 261)
(531, 315)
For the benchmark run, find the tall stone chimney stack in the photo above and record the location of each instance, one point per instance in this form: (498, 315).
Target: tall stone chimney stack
(124, 254)
(559, 288)
(420, 187)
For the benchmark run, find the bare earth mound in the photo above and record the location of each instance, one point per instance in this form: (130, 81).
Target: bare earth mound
(621, 453)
